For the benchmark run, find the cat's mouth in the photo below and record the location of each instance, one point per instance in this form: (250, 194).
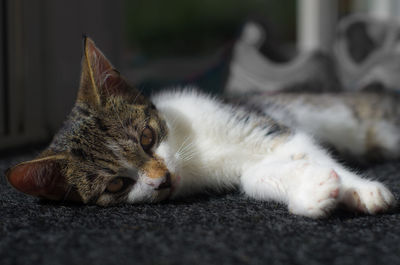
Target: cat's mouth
(167, 189)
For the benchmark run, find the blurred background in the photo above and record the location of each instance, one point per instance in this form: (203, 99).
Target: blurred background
(154, 43)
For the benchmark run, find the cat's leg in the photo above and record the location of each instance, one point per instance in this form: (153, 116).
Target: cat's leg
(302, 175)
(363, 195)
(308, 189)
(356, 192)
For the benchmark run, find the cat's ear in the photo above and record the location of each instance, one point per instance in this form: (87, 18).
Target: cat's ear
(41, 178)
(100, 80)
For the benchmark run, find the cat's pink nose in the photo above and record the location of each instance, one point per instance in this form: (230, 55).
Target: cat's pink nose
(166, 184)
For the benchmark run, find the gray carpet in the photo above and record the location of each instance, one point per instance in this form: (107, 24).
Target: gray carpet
(216, 229)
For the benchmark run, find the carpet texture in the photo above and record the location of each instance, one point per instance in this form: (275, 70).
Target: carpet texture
(215, 229)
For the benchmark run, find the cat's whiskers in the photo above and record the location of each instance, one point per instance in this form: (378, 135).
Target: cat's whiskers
(186, 152)
(182, 145)
(172, 123)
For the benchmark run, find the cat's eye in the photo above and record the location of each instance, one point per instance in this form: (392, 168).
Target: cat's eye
(147, 138)
(117, 184)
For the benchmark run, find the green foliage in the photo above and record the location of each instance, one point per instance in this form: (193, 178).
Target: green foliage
(190, 26)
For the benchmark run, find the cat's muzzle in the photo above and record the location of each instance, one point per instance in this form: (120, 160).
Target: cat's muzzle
(166, 184)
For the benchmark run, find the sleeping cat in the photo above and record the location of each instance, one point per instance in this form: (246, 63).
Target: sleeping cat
(119, 147)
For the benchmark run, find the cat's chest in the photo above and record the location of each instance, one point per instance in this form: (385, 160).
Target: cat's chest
(205, 138)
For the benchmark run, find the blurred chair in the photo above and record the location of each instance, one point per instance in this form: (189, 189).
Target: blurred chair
(317, 19)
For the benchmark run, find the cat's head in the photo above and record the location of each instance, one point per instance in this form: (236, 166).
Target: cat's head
(104, 154)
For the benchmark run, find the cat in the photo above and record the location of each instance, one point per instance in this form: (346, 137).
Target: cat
(362, 127)
(118, 146)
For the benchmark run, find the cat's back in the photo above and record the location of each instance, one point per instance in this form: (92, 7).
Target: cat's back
(190, 101)
(208, 118)
(193, 107)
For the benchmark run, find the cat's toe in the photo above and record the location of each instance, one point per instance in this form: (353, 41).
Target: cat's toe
(370, 197)
(318, 194)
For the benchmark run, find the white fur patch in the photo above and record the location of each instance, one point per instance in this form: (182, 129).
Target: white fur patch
(209, 147)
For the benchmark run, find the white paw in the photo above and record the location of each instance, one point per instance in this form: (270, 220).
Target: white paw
(368, 197)
(315, 192)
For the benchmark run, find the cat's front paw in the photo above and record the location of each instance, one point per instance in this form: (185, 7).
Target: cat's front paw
(315, 194)
(369, 197)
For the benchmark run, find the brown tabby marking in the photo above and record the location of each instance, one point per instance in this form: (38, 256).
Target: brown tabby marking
(155, 168)
(98, 142)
